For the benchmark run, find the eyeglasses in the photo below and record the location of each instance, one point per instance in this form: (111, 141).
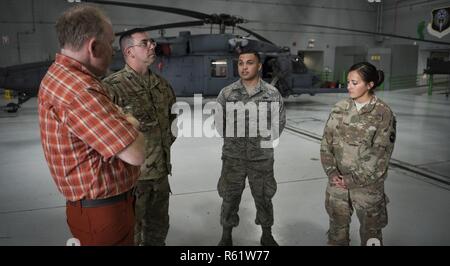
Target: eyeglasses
(146, 43)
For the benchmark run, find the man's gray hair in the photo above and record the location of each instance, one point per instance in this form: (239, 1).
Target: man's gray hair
(78, 24)
(126, 40)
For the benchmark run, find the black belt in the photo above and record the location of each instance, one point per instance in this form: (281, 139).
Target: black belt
(90, 203)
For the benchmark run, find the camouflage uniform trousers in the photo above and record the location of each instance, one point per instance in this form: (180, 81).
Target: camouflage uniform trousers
(152, 212)
(232, 183)
(370, 205)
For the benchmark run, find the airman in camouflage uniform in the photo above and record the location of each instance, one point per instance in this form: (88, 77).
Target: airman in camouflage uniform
(149, 98)
(243, 157)
(357, 147)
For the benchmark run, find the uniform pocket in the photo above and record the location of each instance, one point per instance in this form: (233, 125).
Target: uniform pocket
(337, 205)
(270, 188)
(376, 216)
(221, 187)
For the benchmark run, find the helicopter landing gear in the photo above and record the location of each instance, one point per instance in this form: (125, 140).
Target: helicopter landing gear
(12, 107)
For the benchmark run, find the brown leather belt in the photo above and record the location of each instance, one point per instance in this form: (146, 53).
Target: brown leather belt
(91, 203)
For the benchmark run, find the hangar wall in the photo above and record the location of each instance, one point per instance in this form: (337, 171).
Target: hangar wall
(276, 20)
(23, 41)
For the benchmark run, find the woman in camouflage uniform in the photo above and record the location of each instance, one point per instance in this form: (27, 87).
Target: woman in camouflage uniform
(356, 147)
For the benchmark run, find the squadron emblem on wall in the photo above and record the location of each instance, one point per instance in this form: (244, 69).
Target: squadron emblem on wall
(440, 22)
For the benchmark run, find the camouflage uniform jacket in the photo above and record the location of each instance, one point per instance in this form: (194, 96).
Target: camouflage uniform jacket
(248, 147)
(150, 101)
(358, 145)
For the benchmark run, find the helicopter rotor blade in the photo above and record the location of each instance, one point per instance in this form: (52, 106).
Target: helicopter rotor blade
(179, 11)
(358, 31)
(221, 19)
(255, 34)
(374, 33)
(169, 26)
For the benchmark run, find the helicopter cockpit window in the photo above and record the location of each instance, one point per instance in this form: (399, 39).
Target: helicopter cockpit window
(298, 66)
(219, 68)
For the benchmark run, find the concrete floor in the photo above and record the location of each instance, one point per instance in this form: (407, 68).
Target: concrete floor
(32, 211)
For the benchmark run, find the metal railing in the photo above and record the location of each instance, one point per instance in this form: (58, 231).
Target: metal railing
(407, 81)
(396, 82)
(419, 80)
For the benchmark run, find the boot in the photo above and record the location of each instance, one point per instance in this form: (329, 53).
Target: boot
(267, 238)
(226, 237)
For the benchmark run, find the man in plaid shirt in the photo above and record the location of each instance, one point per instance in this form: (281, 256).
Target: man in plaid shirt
(92, 148)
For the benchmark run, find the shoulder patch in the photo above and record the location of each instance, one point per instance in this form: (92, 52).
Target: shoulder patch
(392, 137)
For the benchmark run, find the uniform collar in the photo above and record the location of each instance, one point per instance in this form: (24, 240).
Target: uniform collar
(132, 73)
(152, 79)
(240, 86)
(366, 108)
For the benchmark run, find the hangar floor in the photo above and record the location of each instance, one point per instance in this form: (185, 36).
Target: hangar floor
(32, 211)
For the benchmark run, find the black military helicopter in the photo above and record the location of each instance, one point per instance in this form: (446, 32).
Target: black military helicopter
(202, 64)
(24, 80)
(193, 64)
(206, 63)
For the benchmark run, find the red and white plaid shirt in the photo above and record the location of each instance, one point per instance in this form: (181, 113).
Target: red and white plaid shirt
(81, 132)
